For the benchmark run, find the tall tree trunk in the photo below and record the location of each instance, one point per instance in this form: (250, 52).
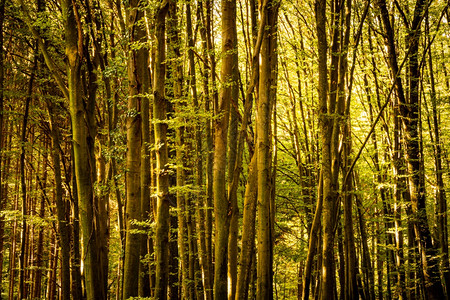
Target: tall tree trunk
(232, 158)
(25, 230)
(75, 253)
(209, 107)
(204, 210)
(162, 180)
(13, 253)
(146, 180)
(83, 144)
(263, 151)
(325, 129)
(194, 261)
(222, 113)
(95, 59)
(414, 155)
(312, 243)
(2, 202)
(52, 268)
(368, 270)
(248, 232)
(442, 217)
(61, 205)
(138, 76)
(37, 289)
(351, 263)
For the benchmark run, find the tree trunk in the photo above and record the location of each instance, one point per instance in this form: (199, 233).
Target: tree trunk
(25, 230)
(222, 112)
(61, 205)
(146, 181)
(138, 75)
(2, 202)
(83, 143)
(414, 155)
(209, 107)
(441, 199)
(162, 180)
(232, 158)
(248, 232)
(325, 129)
(312, 243)
(194, 261)
(37, 289)
(52, 268)
(263, 151)
(204, 211)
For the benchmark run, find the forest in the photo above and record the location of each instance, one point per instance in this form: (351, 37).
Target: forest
(224, 149)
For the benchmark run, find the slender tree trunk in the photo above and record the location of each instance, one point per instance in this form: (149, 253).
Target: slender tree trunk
(180, 284)
(83, 143)
(367, 265)
(232, 158)
(312, 243)
(13, 254)
(162, 180)
(414, 155)
(263, 151)
(442, 217)
(37, 290)
(248, 232)
(138, 76)
(204, 210)
(38, 257)
(146, 181)
(2, 202)
(194, 261)
(61, 205)
(101, 200)
(222, 113)
(351, 263)
(209, 107)
(75, 255)
(325, 129)
(25, 230)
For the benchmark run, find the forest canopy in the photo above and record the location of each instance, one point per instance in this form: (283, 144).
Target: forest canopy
(224, 149)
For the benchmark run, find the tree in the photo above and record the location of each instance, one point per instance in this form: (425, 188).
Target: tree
(162, 172)
(222, 114)
(316, 179)
(264, 109)
(139, 80)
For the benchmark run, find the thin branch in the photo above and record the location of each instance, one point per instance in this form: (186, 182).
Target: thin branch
(48, 59)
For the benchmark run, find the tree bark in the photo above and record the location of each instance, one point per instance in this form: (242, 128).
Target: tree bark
(441, 199)
(61, 205)
(138, 77)
(162, 173)
(265, 103)
(248, 232)
(325, 135)
(414, 158)
(205, 205)
(2, 202)
(23, 259)
(83, 144)
(222, 113)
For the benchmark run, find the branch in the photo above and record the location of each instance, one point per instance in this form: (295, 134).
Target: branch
(402, 14)
(372, 128)
(48, 60)
(248, 103)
